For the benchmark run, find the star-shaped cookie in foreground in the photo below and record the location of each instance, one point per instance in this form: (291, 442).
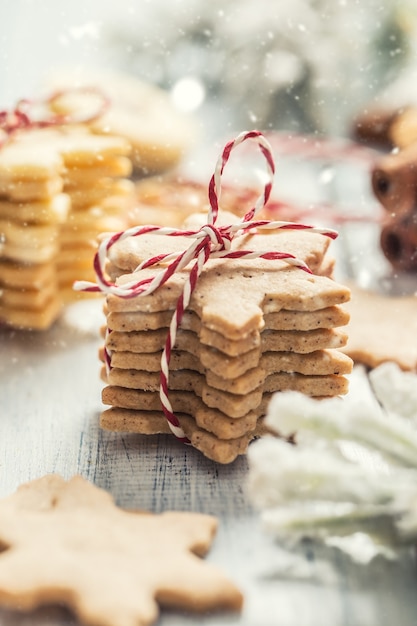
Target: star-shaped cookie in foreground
(68, 543)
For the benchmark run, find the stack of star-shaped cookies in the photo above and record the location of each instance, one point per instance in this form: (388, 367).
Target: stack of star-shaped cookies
(253, 327)
(32, 207)
(59, 188)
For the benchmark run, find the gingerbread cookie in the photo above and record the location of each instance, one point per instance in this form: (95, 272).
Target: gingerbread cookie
(382, 328)
(109, 566)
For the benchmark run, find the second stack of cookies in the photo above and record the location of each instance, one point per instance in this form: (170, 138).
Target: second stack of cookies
(59, 188)
(32, 210)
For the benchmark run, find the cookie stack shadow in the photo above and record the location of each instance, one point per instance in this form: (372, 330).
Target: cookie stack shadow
(252, 328)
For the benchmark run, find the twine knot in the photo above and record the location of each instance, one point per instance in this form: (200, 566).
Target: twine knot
(217, 238)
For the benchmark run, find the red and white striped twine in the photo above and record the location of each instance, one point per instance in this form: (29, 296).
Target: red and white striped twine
(25, 117)
(209, 242)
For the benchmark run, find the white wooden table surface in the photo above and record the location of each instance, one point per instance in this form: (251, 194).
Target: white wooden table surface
(49, 411)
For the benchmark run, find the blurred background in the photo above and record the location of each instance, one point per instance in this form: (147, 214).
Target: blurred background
(298, 65)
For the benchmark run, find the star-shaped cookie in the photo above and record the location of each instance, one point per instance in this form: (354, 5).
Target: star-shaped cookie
(382, 328)
(257, 286)
(68, 543)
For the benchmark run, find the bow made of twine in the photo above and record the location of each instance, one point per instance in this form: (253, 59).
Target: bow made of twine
(209, 242)
(32, 114)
